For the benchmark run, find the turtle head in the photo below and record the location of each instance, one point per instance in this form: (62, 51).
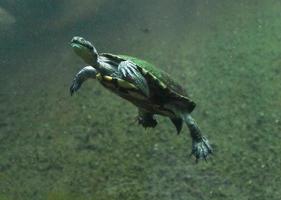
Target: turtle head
(85, 50)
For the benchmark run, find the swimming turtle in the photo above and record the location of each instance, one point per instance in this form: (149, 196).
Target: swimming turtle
(147, 87)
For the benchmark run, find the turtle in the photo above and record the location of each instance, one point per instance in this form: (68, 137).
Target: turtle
(150, 89)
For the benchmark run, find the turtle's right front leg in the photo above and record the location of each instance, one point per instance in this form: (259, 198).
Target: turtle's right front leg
(81, 76)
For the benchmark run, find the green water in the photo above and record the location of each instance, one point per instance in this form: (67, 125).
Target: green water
(227, 54)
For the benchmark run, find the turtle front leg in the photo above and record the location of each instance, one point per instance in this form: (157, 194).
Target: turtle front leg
(81, 76)
(200, 145)
(146, 119)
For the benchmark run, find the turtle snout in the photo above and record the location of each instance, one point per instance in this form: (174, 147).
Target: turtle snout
(77, 39)
(81, 41)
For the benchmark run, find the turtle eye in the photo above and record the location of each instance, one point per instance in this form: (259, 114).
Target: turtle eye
(90, 47)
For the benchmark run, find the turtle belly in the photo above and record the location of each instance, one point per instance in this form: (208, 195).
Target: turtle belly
(137, 98)
(148, 105)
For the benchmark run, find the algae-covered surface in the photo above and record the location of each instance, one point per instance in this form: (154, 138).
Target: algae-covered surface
(226, 53)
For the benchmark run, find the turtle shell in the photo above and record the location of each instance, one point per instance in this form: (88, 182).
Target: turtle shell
(163, 88)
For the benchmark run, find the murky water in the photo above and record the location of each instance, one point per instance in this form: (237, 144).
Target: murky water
(225, 53)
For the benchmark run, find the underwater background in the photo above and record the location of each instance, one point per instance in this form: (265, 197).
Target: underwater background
(226, 53)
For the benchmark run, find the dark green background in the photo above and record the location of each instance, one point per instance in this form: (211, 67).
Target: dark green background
(226, 53)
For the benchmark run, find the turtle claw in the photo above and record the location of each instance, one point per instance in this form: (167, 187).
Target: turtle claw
(76, 84)
(201, 149)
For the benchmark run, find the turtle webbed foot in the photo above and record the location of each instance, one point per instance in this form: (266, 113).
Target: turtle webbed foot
(76, 84)
(146, 119)
(201, 148)
(147, 122)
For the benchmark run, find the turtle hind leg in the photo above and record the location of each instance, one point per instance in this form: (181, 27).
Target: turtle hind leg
(146, 119)
(200, 144)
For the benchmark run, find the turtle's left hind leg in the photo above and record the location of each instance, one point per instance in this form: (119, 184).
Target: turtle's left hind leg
(146, 119)
(84, 74)
(200, 145)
